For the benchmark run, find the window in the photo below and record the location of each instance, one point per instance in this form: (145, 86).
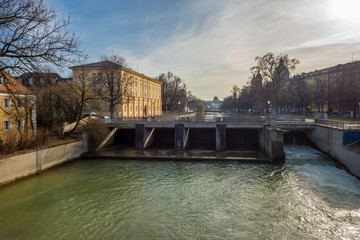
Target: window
(6, 103)
(135, 84)
(42, 81)
(7, 125)
(131, 108)
(19, 103)
(136, 94)
(94, 74)
(93, 79)
(54, 81)
(20, 124)
(125, 108)
(31, 81)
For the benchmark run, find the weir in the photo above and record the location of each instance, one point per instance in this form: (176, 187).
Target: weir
(217, 136)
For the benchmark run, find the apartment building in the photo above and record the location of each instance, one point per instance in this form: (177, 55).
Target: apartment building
(140, 95)
(331, 87)
(17, 106)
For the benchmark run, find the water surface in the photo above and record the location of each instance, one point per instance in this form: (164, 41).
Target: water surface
(307, 198)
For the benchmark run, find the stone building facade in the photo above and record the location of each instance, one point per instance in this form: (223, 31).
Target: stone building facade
(140, 97)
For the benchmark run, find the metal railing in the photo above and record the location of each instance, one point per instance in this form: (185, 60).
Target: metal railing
(338, 124)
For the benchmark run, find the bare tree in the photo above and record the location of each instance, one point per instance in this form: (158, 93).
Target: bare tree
(32, 35)
(320, 93)
(275, 69)
(173, 91)
(112, 84)
(83, 95)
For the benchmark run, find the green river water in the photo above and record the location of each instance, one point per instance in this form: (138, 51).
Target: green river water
(307, 198)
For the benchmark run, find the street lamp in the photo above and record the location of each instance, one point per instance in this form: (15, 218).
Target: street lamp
(179, 110)
(268, 112)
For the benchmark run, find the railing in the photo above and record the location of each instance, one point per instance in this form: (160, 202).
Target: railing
(338, 124)
(290, 118)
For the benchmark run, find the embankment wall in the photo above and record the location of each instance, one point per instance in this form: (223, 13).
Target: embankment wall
(17, 167)
(330, 141)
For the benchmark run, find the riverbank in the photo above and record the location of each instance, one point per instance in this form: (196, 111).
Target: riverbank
(15, 167)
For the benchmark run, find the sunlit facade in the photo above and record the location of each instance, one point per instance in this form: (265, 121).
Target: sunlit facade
(142, 97)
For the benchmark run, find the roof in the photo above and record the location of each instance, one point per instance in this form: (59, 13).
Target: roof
(13, 85)
(37, 75)
(97, 65)
(110, 64)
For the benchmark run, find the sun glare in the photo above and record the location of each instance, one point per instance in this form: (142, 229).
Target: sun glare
(347, 10)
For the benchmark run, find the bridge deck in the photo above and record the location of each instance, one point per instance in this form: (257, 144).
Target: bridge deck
(230, 125)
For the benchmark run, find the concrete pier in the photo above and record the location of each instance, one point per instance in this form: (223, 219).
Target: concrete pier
(144, 137)
(271, 142)
(180, 135)
(220, 137)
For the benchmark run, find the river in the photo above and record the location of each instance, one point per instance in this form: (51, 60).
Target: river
(306, 198)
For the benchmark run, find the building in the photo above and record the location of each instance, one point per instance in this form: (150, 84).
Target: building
(214, 104)
(35, 80)
(336, 87)
(18, 111)
(140, 96)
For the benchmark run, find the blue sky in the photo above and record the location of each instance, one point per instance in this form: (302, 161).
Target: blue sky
(211, 44)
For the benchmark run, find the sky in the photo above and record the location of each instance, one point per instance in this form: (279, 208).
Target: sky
(211, 44)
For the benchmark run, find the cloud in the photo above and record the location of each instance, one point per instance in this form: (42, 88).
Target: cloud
(212, 44)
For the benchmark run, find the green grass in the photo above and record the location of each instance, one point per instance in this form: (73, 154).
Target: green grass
(338, 118)
(63, 143)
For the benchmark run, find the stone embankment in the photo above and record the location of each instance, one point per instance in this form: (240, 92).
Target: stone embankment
(20, 166)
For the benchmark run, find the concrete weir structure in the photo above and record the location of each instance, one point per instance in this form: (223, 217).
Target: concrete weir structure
(222, 137)
(185, 136)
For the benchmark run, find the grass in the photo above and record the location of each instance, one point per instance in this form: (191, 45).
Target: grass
(338, 118)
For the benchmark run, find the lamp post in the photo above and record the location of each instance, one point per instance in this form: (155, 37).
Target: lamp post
(179, 110)
(268, 112)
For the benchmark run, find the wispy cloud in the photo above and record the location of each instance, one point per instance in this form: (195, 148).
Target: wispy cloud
(212, 44)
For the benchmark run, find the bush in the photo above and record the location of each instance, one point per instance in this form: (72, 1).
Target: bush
(14, 141)
(97, 131)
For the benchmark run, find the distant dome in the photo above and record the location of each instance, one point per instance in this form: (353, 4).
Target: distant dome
(216, 99)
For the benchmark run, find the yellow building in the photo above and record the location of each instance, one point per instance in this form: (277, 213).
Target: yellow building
(318, 84)
(18, 109)
(140, 95)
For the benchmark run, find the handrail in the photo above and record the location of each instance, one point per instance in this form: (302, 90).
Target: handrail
(338, 124)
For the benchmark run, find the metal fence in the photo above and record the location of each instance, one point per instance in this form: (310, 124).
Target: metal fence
(338, 124)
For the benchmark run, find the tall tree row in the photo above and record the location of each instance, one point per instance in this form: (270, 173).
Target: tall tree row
(175, 96)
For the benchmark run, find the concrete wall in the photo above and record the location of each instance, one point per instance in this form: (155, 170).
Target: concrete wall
(271, 142)
(17, 167)
(330, 141)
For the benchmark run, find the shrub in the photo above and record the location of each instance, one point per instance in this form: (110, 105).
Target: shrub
(97, 131)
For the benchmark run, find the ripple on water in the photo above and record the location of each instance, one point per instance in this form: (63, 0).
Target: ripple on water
(307, 198)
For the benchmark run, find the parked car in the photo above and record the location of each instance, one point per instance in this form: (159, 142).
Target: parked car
(335, 112)
(105, 118)
(90, 115)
